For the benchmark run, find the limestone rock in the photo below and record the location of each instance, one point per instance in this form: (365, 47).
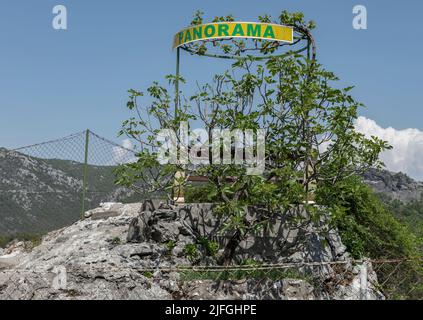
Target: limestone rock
(106, 210)
(287, 289)
(91, 259)
(138, 231)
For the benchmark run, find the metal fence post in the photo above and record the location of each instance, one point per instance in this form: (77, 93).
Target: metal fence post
(85, 167)
(363, 280)
(178, 189)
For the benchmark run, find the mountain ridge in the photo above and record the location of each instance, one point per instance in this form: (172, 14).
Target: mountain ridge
(398, 185)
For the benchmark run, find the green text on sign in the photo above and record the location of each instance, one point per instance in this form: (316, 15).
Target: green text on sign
(222, 30)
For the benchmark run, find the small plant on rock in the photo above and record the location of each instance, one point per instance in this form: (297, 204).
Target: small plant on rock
(170, 245)
(148, 274)
(210, 247)
(116, 241)
(191, 252)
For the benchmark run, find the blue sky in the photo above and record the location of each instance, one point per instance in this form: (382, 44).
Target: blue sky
(54, 83)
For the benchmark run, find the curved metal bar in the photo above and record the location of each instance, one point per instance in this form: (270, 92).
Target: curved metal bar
(231, 57)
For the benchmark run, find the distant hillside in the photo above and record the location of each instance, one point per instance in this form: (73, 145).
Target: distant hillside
(397, 185)
(39, 195)
(401, 194)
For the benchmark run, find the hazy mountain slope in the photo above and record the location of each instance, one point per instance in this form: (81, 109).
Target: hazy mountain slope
(34, 195)
(396, 185)
(402, 195)
(38, 195)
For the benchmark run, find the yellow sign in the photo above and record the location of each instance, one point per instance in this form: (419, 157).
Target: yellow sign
(225, 30)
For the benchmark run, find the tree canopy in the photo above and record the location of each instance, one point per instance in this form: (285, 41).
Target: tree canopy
(308, 121)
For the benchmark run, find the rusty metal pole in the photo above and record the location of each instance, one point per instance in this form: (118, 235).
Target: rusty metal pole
(178, 192)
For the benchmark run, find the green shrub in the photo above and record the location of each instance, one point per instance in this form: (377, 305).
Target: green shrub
(369, 229)
(116, 241)
(200, 193)
(4, 240)
(34, 239)
(210, 247)
(409, 213)
(250, 262)
(171, 244)
(191, 252)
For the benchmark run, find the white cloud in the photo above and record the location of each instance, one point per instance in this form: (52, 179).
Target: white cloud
(127, 144)
(407, 153)
(122, 155)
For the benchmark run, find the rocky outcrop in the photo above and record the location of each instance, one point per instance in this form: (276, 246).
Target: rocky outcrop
(139, 251)
(395, 185)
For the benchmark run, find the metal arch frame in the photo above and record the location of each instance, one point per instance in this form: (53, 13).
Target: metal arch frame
(311, 55)
(306, 35)
(231, 57)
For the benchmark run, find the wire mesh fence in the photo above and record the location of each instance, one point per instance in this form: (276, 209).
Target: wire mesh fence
(49, 185)
(376, 279)
(352, 279)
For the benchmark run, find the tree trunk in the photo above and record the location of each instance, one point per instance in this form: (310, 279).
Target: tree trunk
(230, 249)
